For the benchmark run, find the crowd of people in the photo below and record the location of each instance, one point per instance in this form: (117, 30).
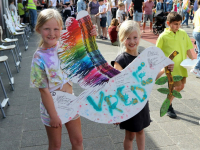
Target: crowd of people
(121, 20)
(103, 11)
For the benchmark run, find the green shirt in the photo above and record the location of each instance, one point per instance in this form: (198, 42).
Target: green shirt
(20, 9)
(169, 41)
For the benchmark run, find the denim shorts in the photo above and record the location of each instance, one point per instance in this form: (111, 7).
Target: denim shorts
(137, 16)
(146, 16)
(103, 22)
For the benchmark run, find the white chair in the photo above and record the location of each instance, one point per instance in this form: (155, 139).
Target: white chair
(9, 41)
(16, 60)
(17, 19)
(3, 59)
(14, 33)
(5, 100)
(13, 20)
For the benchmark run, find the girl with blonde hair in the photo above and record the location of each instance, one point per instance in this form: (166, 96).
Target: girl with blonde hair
(47, 76)
(129, 38)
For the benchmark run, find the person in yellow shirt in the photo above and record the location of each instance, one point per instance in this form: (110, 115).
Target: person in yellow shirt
(33, 13)
(174, 38)
(196, 35)
(21, 10)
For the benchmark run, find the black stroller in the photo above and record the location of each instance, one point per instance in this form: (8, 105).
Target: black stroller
(159, 25)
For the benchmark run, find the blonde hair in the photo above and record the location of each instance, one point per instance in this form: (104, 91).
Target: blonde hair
(126, 28)
(121, 4)
(46, 15)
(114, 22)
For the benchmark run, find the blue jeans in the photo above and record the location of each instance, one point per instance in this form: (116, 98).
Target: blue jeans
(33, 15)
(109, 17)
(137, 16)
(186, 14)
(196, 36)
(164, 7)
(168, 7)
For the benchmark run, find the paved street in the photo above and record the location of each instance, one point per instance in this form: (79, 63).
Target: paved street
(22, 129)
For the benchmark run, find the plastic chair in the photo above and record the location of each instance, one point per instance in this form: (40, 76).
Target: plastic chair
(16, 60)
(5, 100)
(9, 41)
(3, 59)
(26, 26)
(14, 33)
(13, 20)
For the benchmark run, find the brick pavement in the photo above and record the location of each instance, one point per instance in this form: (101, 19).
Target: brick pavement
(23, 129)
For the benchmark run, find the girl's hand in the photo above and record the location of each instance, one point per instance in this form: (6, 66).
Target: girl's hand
(170, 67)
(93, 31)
(55, 122)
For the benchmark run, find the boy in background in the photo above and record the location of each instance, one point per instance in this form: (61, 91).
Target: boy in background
(102, 15)
(174, 38)
(120, 14)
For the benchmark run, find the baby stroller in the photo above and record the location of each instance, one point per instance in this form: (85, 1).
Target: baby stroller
(159, 25)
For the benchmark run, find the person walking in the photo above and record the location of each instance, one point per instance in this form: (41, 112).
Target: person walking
(148, 6)
(113, 8)
(108, 10)
(196, 35)
(137, 16)
(93, 9)
(186, 11)
(33, 13)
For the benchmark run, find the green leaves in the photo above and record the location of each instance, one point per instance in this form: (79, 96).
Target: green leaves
(161, 80)
(163, 90)
(177, 78)
(176, 94)
(164, 80)
(164, 108)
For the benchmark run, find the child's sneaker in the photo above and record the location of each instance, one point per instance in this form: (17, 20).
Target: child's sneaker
(195, 72)
(171, 113)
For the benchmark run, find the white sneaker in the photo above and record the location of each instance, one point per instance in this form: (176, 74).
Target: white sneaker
(195, 72)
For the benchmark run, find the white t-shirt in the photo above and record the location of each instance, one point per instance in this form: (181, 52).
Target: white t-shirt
(113, 3)
(128, 2)
(101, 8)
(54, 3)
(119, 14)
(108, 7)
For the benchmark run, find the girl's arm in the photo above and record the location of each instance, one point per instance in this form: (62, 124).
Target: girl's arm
(117, 66)
(89, 9)
(107, 7)
(104, 11)
(117, 29)
(47, 100)
(131, 12)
